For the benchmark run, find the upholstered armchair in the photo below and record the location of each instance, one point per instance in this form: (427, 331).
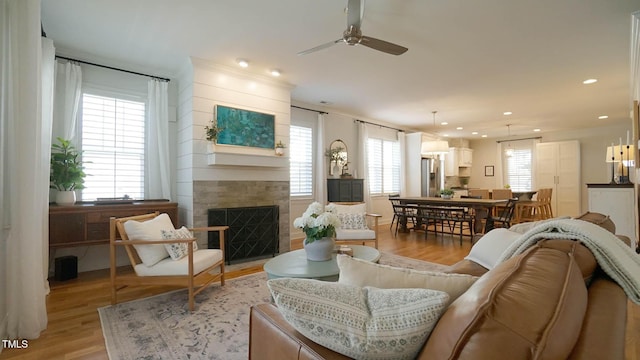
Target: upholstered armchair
(358, 226)
(163, 255)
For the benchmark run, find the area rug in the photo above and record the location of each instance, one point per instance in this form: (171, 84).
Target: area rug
(161, 327)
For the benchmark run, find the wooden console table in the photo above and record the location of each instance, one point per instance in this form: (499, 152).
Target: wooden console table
(88, 223)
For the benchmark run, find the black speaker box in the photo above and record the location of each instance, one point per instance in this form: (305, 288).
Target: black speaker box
(66, 268)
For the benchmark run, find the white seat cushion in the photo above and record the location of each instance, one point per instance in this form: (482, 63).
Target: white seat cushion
(347, 234)
(202, 259)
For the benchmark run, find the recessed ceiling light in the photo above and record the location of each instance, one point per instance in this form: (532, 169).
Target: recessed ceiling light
(602, 117)
(590, 81)
(507, 113)
(243, 63)
(275, 72)
(446, 135)
(474, 133)
(459, 128)
(536, 130)
(485, 135)
(444, 123)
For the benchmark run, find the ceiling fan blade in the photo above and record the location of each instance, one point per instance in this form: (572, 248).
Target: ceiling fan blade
(320, 47)
(354, 13)
(383, 46)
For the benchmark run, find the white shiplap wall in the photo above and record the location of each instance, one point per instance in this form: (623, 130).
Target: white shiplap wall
(202, 86)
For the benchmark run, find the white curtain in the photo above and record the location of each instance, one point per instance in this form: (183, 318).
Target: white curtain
(498, 171)
(321, 161)
(403, 163)
(363, 161)
(635, 56)
(68, 90)
(25, 142)
(158, 169)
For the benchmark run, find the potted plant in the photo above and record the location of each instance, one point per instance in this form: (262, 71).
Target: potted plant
(280, 148)
(67, 173)
(319, 224)
(446, 193)
(464, 182)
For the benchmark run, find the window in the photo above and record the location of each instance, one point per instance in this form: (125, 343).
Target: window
(301, 160)
(518, 167)
(112, 147)
(384, 166)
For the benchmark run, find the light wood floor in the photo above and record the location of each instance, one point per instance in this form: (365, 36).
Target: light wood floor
(74, 330)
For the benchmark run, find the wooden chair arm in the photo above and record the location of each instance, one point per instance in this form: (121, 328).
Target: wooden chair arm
(373, 215)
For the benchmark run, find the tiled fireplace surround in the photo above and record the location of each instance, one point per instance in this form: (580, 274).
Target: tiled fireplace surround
(226, 194)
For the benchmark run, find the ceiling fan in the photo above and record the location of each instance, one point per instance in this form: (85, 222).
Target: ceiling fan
(353, 35)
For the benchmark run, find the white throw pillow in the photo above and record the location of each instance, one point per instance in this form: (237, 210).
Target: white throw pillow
(178, 250)
(359, 272)
(351, 221)
(487, 250)
(149, 230)
(362, 323)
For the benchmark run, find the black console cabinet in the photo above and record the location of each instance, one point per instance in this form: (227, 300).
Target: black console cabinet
(345, 190)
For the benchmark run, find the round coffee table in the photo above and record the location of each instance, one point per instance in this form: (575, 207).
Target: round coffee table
(294, 264)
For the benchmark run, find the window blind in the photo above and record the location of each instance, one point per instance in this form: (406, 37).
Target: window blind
(519, 169)
(113, 132)
(301, 160)
(384, 166)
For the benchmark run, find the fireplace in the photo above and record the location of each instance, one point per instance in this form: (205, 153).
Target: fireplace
(253, 231)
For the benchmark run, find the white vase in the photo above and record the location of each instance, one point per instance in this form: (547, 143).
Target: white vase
(319, 250)
(66, 197)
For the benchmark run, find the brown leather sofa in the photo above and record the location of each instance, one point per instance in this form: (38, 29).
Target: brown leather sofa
(551, 302)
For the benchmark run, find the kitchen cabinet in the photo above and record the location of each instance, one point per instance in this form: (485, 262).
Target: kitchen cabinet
(458, 162)
(345, 190)
(618, 202)
(558, 168)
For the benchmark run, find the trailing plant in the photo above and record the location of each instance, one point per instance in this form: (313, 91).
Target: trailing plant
(67, 173)
(212, 131)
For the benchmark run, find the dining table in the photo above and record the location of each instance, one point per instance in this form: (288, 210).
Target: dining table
(482, 207)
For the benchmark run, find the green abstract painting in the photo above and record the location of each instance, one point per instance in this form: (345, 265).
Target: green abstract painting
(245, 128)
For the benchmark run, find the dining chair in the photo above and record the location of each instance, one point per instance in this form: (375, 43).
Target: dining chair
(500, 194)
(539, 209)
(504, 218)
(483, 193)
(402, 213)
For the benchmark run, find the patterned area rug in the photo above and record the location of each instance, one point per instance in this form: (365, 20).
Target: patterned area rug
(161, 327)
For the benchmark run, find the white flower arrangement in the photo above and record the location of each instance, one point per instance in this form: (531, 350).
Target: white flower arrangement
(318, 222)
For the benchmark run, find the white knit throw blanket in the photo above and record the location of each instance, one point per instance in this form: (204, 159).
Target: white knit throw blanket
(617, 259)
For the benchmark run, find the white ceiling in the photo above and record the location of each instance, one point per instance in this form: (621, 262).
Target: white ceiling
(469, 60)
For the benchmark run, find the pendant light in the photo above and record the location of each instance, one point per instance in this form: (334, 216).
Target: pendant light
(435, 147)
(508, 151)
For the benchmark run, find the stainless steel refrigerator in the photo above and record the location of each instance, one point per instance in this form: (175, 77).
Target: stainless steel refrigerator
(432, 175)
